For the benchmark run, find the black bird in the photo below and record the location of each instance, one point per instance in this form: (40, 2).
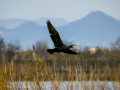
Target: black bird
(59, 46)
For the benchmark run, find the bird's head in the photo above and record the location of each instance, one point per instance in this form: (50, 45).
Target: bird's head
(72, 46)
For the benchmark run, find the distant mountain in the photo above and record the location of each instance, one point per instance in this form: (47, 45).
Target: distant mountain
(11, 23)
(28, 33)
(56, 21)
(95, 29)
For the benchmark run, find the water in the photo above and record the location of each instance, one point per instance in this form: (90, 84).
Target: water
(65, 85)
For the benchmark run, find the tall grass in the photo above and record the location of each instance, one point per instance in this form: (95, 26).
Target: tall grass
(39, 75)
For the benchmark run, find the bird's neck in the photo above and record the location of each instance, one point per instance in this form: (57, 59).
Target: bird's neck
(70, 46)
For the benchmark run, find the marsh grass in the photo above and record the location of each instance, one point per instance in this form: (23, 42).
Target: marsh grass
(40, 75)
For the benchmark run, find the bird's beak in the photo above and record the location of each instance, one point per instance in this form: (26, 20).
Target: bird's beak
(75, 45)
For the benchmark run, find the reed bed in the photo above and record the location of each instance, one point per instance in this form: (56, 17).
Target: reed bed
(39, 75)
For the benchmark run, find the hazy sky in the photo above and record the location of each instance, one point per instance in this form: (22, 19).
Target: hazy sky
(67, 9)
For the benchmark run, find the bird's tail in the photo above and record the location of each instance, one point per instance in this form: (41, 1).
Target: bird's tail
(51, 51)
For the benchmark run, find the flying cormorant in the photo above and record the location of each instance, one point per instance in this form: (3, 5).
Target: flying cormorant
(59, 46)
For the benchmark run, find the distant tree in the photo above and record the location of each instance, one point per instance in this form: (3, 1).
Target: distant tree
(86, 52)
(2, 45)
(13, 46)
(99, 52)
(41, 45)
(12, 50)
(116, 45)
(86, 49)
(41, 48)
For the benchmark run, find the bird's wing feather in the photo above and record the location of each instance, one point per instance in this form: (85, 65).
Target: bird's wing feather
(54, 35)
(69, 51)
(54, 40)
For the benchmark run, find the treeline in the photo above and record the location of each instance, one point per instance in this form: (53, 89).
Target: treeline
(13, 50)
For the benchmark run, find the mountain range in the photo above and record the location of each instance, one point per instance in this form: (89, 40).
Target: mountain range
(95, 29)
(13, 23)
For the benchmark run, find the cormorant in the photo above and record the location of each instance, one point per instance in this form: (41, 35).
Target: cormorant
(59, 46)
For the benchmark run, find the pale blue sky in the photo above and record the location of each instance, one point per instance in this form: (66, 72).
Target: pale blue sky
(69, 10)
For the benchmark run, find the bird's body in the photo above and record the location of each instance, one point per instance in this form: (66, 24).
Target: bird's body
(59, 46)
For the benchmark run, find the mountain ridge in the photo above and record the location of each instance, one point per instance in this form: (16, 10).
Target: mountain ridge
(95, 29)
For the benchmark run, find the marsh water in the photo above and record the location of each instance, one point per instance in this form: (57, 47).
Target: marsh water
(66, 85)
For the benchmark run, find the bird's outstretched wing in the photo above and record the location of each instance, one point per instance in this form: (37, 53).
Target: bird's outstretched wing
(70, 52)
(54, 35)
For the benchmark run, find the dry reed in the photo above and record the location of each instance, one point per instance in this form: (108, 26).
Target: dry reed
(62, 76)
